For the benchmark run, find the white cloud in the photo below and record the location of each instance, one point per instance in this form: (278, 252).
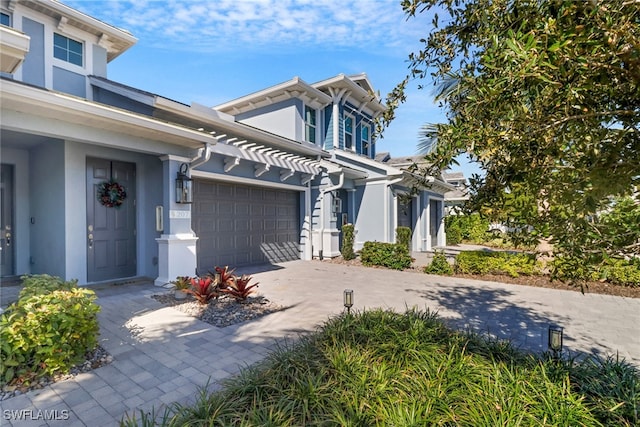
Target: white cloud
(246, 24)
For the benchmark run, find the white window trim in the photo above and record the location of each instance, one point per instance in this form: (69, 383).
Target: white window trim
(315, 110)
(10, 15)
(61, 63)
(362, 126)
(353, 134)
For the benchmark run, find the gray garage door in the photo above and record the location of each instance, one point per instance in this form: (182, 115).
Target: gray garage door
(241, 225)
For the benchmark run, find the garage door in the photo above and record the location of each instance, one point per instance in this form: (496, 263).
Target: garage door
(241, 225)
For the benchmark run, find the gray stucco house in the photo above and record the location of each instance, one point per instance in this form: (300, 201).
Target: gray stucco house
(274, 175)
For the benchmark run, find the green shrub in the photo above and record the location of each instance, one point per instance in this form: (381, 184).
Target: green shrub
(468, 228)
(453, 230)
(44, 284)
(620, 272)
(390, 255)
(485, 262)
(612, 270)
(439, 265)
(403, 237)
(348, 235)
(46, 333)
(572, 269)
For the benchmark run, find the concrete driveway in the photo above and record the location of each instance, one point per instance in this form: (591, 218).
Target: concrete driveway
(162, 355)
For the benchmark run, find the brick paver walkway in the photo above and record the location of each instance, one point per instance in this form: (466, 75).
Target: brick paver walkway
(162, 355)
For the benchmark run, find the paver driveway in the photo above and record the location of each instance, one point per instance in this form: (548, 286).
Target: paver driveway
(162, 355)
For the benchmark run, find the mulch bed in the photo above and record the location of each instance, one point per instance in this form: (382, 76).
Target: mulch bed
(93, 360)
(221, 312)
(592, 287)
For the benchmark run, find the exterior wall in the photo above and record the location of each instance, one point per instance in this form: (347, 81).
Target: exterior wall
(369, 223)
(69, 82)
(48, 195)
(283, 118)
(22, 211)
(99, 61)
(327, 123)
(34, 63)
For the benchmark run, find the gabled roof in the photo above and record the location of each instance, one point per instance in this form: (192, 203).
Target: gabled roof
(405, 161)
(114, 40)
(359, 89)
(363, 81)
(294, 88)
(453, 176)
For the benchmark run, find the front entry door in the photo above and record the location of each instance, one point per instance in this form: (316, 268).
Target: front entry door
(7, 234)
(111, 230)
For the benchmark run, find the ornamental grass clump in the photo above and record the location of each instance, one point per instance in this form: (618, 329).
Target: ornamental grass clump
(381, 368)
(48, 330)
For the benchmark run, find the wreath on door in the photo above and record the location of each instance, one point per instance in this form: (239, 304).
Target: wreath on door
(111, 194)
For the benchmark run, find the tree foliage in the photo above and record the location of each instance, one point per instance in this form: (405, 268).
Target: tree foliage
(545, 96)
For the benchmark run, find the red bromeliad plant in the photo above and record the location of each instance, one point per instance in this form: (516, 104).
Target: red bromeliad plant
(202, 290)
(223, 277)
(239, 288)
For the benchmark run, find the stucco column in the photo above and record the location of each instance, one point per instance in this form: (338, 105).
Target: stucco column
(177, 243)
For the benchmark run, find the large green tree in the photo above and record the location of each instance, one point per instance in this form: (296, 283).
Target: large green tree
(545, 95)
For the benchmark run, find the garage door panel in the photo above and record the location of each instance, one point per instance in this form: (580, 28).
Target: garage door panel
(241, 225)
(242, 192)
(242, 209)
(225, 208)
(225, 225)
(224, 190)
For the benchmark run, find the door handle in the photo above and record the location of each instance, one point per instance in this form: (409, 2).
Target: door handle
(7, 238)
(90, 241)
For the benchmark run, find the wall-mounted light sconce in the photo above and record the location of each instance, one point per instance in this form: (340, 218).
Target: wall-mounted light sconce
(184, 188)
(348, 299)
(555, 340)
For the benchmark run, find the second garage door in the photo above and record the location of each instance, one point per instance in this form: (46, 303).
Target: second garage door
(241, 225)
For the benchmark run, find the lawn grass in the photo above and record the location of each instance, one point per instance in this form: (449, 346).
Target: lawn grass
(380, 368)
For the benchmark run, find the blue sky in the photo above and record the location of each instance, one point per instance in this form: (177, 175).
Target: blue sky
(213, 51)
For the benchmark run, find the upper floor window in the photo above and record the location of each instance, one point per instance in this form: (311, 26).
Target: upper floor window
(348, 133)
(310, 124)
(5, 19)
(67, 49)
(365, 137)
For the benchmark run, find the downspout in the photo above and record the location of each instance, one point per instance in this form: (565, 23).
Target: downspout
(386, 205)
(322, 219)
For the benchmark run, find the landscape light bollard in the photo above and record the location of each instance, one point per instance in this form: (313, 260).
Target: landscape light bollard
(555, 340)
(348, 299)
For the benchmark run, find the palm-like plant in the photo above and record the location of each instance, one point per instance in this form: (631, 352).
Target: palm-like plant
(239, 288)
(202, 290)
(223, 277)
